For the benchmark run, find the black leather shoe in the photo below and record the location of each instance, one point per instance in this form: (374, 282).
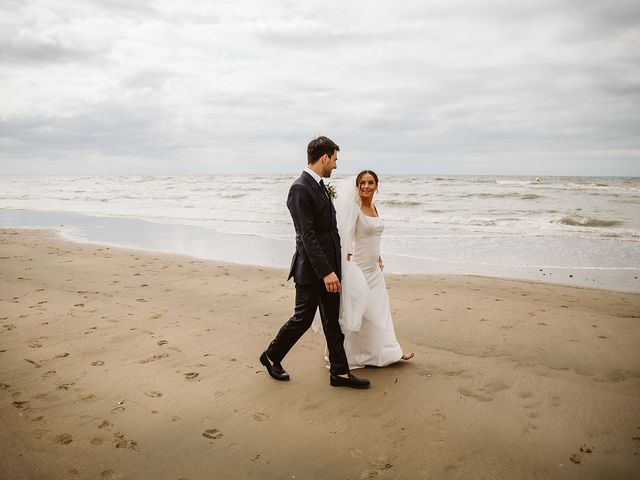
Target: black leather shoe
(275, 370)
(351, 382)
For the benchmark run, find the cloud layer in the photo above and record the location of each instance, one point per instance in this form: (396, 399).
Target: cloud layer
(119, 87)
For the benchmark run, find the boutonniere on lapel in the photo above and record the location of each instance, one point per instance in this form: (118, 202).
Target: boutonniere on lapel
(333, 193)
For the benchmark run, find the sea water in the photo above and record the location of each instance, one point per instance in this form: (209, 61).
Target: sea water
(575, 230)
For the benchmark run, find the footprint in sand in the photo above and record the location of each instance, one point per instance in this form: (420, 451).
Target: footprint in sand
(377, 469)
(477, 395)
(212, 433)
(162, 342)
(33, 362)
(4, 386)
(74, 472)
(121, 442)
(260, 416)
(105, 425)
(64, 439)
(118, 410)
(437, 413)
(62, 355)
(528, 428)
(485, 393)
(191, 375)
(97, 363)
(153, 358)
(576, 458)
(153, 394)
(21, 405)
(40, 433)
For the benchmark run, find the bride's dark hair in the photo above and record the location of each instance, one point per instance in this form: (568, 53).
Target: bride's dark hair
(364, 172)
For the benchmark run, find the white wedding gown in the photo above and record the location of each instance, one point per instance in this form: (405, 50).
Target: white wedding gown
(375, 342)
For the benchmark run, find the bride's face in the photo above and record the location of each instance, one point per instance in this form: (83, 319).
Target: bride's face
(367, 186)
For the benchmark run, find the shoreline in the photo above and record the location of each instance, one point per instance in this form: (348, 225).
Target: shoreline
(125, 364)
(254, 250)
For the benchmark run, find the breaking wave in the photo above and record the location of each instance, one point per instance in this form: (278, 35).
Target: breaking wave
(576, 221)
(401, 203)
(520, 196)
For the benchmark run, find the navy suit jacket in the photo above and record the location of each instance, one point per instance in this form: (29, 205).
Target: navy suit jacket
(317, 240)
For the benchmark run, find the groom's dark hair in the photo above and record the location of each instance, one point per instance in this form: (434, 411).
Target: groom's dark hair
(319, 147)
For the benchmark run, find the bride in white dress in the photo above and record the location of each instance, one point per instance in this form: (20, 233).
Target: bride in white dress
(365, 314)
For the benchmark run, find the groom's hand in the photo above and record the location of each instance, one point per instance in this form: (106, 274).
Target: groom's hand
(332, 283)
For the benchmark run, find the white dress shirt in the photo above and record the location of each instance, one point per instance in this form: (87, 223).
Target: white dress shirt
(315, 176)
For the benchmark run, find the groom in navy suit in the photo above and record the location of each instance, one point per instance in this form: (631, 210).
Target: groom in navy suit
(315, 268)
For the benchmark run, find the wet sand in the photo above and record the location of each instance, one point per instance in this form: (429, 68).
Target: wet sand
(124, 364)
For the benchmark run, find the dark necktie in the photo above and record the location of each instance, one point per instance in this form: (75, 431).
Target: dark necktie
(324, 187)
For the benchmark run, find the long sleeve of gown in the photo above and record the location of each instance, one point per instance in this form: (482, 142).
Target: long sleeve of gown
(353, 295)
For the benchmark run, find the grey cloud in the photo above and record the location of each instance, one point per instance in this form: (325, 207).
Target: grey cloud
(612, 16)
(310, 34)
(107, 129)
(40, 50)
(194, 18)
(154, 78)
(125, 8)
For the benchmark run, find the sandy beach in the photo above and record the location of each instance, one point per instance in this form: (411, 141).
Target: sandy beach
(125, 364)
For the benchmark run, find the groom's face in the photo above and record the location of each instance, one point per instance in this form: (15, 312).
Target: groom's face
(329, 164)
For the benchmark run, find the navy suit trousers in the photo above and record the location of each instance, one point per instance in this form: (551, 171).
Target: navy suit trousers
(308, 299)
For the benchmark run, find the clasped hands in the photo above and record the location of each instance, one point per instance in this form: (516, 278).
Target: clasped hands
(380, 262)
(332, 282)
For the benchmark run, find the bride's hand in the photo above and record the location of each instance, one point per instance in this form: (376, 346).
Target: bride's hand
(381, 264)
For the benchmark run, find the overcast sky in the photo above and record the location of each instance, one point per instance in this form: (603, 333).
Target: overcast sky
(404, 86)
